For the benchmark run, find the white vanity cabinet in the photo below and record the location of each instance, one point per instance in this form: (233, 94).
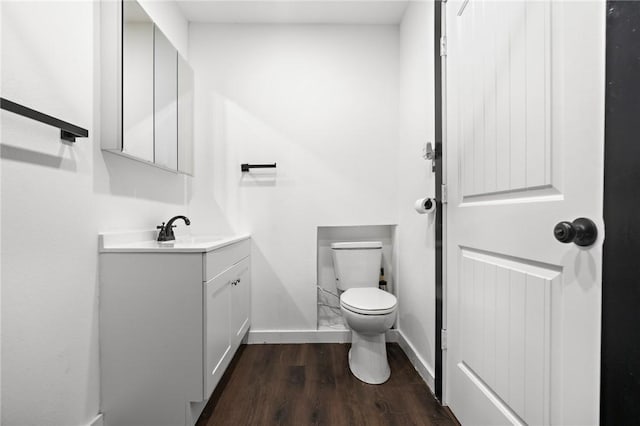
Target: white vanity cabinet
(171, 320)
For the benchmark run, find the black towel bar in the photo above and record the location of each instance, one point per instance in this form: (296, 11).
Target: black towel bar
(246, 167)
(68, 132)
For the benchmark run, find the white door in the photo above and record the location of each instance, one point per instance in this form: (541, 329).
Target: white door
(524, 137)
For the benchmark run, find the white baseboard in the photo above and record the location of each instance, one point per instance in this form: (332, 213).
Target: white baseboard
(298, 336)
(257, 337)
(424, 370)
(194, 409)
(97, 421)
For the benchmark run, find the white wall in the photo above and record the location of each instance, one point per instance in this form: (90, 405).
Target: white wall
(0, 231)
(49, 261)
(319, 100)
(416, 233)
(56, 197)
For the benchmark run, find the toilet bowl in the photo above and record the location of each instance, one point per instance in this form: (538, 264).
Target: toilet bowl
(368, 311)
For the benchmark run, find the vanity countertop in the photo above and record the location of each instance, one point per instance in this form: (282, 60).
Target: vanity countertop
(144, 242)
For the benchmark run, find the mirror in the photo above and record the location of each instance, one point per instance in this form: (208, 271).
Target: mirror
(166, 102)
(137, 87)
(146, 90)
(185, 117)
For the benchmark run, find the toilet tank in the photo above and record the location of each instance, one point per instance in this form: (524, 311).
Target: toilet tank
(356, 264)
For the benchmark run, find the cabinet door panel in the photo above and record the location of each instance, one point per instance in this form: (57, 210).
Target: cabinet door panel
(217, 342)
(166, 102)
(185, 117)
(137, 86)
(241, 300)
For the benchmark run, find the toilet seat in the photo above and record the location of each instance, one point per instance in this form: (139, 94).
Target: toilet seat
(368, 301)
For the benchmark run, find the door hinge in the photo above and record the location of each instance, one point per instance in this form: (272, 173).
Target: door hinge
(443, 46)
(443, 339)
(443, 193)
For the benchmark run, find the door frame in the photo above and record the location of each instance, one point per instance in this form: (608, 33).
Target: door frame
(438, 64)
(620, 348)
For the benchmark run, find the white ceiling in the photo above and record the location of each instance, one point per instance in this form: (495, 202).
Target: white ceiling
(294, 11)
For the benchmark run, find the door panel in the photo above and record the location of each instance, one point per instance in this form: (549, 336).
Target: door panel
(525, 125)
(505, 96)
(506, 325)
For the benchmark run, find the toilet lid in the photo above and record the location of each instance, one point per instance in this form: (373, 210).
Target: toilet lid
(368, 301)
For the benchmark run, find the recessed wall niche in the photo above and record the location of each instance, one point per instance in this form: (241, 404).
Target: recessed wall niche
(329, 316)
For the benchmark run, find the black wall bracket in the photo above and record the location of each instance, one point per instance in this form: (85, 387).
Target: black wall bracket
(68, 132)
(247, 167)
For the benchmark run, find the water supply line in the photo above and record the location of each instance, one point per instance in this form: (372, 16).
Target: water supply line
(324, 290)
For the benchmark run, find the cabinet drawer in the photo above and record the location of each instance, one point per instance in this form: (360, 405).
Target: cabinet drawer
(218, 261)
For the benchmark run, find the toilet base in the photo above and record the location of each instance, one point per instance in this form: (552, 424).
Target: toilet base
(368, 358)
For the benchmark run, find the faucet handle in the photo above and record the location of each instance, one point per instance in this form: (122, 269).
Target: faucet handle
(162, 235)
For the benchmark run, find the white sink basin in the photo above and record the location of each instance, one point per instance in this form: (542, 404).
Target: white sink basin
(203, 239)
(191, 242)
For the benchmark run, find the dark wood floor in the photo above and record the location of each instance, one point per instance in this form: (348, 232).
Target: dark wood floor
(311, 384)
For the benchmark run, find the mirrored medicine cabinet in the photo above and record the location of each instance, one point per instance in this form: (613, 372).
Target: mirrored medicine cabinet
(146, 90)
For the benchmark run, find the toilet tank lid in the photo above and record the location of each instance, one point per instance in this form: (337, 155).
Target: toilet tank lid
(351, 245)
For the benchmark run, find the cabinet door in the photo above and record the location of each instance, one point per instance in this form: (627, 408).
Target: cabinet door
(217, 344)
(240, 300)
(137, 84)
(185, 117)
(166, 102)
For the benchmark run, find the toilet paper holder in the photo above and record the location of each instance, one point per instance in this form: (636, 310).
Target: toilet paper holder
(247, 167)
(425, 205)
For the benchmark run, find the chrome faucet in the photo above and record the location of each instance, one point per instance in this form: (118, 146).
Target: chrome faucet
(166, 231)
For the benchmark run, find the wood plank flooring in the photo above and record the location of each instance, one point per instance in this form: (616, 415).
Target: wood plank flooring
(311, 384)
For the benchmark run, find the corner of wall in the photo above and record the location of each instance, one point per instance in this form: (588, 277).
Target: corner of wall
(416, 233)
(422, 367)
(0, 232)
(97, 421)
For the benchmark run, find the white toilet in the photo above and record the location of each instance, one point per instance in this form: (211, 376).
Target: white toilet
(368, 311)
